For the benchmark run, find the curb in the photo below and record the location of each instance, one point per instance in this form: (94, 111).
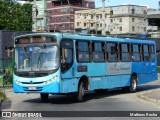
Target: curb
(151, 100)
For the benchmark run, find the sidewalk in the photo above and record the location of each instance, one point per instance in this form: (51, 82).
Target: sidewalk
(151, 95)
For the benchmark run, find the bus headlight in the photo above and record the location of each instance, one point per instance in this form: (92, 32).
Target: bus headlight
(51, 80)
(17, 82)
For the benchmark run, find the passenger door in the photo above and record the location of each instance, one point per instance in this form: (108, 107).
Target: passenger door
(66, 54)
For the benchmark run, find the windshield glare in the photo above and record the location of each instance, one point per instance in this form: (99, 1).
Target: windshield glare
(40, 58)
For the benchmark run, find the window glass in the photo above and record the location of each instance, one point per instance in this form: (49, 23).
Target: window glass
(145, 48)
(66, 51)
(124, 47)
(83, 56)
(83, 51)
(151, 53)
(145, 53)
(112, 52)
(98, 52)
(83, 46)
(135, 48)
(98, 46)
(125, 55)
(136, 56)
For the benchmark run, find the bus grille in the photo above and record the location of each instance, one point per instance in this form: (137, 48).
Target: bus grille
(32, 82)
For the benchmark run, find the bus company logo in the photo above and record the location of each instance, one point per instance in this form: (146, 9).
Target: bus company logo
(7, 114)
(31, 82)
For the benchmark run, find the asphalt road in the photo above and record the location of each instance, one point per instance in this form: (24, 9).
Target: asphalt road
(114, 100)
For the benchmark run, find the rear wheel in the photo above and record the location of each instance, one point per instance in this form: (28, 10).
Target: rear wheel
(44, 97)
(133, 84)
(80, 94)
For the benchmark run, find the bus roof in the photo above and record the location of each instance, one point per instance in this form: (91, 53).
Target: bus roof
(94, 38)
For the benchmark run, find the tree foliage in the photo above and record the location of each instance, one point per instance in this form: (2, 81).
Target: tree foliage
(15, 16)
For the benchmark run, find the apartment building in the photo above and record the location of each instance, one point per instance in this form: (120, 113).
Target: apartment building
(60, 13)
(123, 19)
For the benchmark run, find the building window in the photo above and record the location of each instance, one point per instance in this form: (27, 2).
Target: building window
(100, 16)
(101, 25)
(111, 20)
(133, 19)
(133, 11)
(120, 28)
(72, 17)
(84, 24)
(72, 25)
(97, 25)
(91, 16)
(144, 29)
(64, 25)
(98, 51)
(97, 16)
(120, 19)
(133, 28)
(111, 12)
(91, 24)
(77, 23)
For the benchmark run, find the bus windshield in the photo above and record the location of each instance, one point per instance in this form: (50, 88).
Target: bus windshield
(37, 58)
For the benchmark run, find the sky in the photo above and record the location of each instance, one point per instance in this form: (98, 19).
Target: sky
(148, 3)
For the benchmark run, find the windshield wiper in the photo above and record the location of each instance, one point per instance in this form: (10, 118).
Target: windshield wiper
(41, 54)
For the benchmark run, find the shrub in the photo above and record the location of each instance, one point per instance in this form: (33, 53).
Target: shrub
(158, 68)
(2, 96)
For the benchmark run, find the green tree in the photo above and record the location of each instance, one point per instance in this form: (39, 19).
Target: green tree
(15, 16)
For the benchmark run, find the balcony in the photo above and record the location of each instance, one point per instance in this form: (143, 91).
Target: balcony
(129, 15)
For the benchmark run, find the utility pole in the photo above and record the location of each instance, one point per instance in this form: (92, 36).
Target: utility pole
(69, 13)
(103, 17)
(34, 16)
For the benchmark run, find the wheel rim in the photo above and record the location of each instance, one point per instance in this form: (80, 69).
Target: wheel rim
(134, 84)
(82, 91)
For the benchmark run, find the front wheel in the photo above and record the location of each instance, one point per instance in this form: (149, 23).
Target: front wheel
(44, 97)
(80, 94)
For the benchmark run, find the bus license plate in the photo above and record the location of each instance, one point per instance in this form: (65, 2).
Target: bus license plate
(32, 88)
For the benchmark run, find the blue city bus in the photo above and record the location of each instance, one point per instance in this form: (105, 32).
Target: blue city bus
(63, 63)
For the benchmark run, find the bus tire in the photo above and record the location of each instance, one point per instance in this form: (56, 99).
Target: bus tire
(44, 97)
(133, 84)
(80, 94)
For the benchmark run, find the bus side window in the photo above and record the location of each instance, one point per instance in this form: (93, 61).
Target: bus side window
(136, 56)
(151, 53)
(112, 52)
(98, 51)
(145, 52)
(124, 53)
(83, 51)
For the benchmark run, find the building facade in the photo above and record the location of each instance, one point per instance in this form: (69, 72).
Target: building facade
(123, 19)
(60, 13)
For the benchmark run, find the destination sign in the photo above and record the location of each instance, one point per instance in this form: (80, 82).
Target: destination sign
(23, 40)
(36, 39)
